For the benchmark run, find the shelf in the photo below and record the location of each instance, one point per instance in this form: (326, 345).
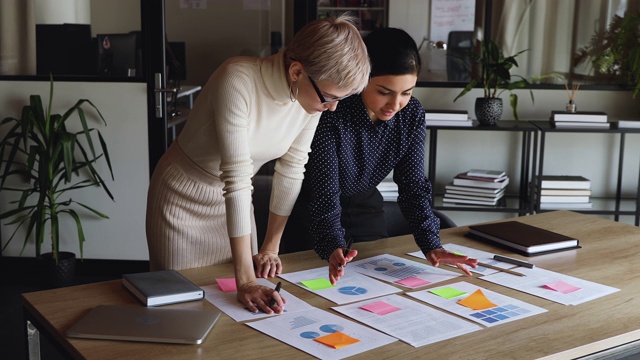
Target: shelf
(602, 206)
(510, 204)
(605, 206)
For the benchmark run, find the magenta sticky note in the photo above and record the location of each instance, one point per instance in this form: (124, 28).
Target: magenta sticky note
(227, 284)
(413, 282)
(380, 308)
(562, 287)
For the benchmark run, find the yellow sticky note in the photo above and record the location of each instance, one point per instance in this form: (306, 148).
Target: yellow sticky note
(337, 340)
(477, 301)
(447, 292)
(317, 284)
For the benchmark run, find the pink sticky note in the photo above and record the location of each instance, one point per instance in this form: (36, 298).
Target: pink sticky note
(227, 284)
(380, 308)
(413, 282)
(562, 287)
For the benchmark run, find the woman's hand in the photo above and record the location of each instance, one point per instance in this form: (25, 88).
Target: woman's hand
(255, 296)
(337, 263)
(438, 256)
(267, 264)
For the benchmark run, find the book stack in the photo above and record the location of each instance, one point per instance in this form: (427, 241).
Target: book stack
(580, 119)
(477, 187)
(447, 118)
(564, 192)
(626, 124)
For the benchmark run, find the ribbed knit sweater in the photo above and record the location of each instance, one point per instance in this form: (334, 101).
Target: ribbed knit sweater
(243, 118)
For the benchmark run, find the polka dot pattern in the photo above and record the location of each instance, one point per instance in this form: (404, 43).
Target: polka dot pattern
(350, 154)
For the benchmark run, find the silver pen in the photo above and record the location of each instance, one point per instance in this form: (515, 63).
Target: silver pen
(513, 261)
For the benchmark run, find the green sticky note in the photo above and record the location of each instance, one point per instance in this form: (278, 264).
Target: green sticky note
(458, 253)
(317, 284)
(447, 292)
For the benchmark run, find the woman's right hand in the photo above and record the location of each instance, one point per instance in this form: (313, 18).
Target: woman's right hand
(337, 263)
(254, 296)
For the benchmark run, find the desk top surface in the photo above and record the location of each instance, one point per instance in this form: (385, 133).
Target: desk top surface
(608, 256)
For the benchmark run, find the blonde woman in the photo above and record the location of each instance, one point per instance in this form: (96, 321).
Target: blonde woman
(251, 111)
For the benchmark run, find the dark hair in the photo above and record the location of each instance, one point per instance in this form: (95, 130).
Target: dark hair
(392, 52)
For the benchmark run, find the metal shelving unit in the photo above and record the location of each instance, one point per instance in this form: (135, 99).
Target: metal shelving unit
(615, 206)
(521, 203)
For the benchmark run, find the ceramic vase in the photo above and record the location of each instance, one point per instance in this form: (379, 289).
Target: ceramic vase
(488, 110)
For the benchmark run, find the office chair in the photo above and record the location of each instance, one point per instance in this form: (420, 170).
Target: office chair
(397, 225)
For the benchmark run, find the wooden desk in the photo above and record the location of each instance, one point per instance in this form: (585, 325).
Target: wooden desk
(609, 256)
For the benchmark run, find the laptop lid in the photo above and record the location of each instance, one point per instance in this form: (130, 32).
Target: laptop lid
(150, 324)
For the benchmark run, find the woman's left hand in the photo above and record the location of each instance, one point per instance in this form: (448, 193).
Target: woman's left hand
(267, 264)
(438, 256)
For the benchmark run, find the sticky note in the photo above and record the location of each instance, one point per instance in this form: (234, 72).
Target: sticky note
(477, 301)
(447, 292)
(562, 287)
(227, 284)
(413, 282)
(317, 284)
(337, 340)
(380, 308)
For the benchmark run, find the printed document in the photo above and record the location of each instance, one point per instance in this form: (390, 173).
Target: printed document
(563, 289)
(397, 270)
(322, 334)
(412, 322)
(503, 308)
(482, 256)
(228, 302)
(351, 287)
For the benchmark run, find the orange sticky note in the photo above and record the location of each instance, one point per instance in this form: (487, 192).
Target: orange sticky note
(337, 340)
(477, 301)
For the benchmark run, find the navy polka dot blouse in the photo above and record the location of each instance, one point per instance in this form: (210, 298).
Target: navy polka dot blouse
(350, 154)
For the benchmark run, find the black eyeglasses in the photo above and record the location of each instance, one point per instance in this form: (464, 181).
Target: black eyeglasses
(324, 100)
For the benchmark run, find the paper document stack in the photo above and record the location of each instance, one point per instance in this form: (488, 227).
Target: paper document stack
(579, 119)
(564, 192)
(447, 118)
(477, 187)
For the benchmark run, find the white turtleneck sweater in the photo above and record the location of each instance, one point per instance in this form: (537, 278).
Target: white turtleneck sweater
(243, 118)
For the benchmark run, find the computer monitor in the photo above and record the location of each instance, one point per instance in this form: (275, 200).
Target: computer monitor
(63, 49)
(118, 55)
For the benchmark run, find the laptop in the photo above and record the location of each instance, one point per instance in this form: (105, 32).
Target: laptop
(149, 324)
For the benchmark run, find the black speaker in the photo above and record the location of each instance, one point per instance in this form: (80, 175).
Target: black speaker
(63, 49)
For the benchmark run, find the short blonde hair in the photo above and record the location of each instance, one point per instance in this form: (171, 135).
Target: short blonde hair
(332, 49)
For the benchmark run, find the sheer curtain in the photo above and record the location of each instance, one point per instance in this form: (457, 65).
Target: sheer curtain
(17, 37)
(543, 28)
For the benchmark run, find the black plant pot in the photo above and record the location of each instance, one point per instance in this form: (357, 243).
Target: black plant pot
(57, 275)
(488, 110)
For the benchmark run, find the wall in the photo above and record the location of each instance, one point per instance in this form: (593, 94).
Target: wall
(223, 29)
(123, 105)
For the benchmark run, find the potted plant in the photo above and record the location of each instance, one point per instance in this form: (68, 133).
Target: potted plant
(44, 161)
(614, 53)
(495, 78)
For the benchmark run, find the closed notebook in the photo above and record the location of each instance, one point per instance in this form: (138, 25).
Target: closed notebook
(523, 238)
(161, 287)
(139, 323)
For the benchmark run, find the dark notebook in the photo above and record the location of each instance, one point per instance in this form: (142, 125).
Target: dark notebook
(522, 238)
(161, 287)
